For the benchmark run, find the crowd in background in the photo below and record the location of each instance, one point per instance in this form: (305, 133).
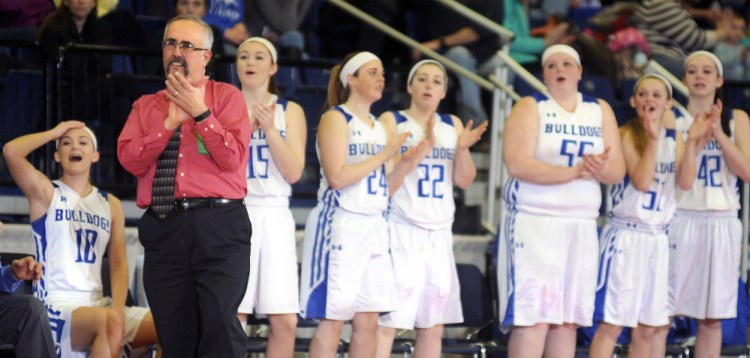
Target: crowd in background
(614, 38)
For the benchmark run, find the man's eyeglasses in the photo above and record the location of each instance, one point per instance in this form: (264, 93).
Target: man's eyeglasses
(184, 45)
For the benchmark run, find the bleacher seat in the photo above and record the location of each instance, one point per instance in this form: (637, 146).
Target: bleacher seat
(522, 87)
(736, 95)
(599, 87)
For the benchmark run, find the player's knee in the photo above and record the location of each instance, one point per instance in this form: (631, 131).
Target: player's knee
(285, 325)
(609, 330)
(709, 324)
(644, 333)
(434, 333)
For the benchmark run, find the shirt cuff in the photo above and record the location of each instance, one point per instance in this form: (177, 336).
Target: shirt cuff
(8, 283)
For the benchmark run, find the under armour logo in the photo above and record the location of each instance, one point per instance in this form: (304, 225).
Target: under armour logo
(673, 246)
(356, 133)
(337, 247)
(552, 114)
(518, 245)
(63, 199)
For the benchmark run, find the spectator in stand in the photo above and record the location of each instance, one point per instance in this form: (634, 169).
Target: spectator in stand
(124, 28)
(231, 18)
(526, 49)
(706, 13)
(74, 21)
(103, 7)
(672, 33)
(19, 19)
(279, 21)
(470, 45)
(733, 53)
(276, 20)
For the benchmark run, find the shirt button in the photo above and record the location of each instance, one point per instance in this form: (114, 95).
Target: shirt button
(182, 174)
(212, 126)
(180, 155)
(205, 129)
(158, 134)
(226, 144)
(184, 194)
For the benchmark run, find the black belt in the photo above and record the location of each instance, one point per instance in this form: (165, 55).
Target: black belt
(198, 203)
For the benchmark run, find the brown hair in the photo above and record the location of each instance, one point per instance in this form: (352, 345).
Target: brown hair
(337, 94)
(637, 133)
(272, 87)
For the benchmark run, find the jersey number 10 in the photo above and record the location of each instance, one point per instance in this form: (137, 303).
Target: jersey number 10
(86, 239)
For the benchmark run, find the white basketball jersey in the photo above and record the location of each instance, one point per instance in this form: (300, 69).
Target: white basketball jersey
(264, 181)
(70, 241)
(369, 196)
(564, 138)
(657, 206)
(715, 187)
(425, 198)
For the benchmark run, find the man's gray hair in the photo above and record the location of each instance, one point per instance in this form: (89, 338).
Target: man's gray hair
(209, 34)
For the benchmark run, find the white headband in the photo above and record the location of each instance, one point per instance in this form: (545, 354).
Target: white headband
(655, 76)
(561, 49)
(419, 64)
(713, 57)
(271, 48)
(91, 134)
(354, 64)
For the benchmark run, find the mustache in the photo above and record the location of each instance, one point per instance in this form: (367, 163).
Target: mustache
(178, 59)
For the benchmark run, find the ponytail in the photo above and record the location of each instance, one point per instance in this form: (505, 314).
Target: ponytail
(337, 94)
(725, 115)
(637, 134)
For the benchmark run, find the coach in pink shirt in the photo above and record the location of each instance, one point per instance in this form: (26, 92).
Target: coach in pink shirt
(188, 146)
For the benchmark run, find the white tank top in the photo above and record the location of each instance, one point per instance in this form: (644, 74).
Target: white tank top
(71, 238)
(564, 137)
(425, 198)
(265, 184)
(715, 188)
(369, 196)
(657, 206)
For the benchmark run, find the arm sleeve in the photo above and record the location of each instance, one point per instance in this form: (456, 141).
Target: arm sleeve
(138, 146)
(226, 132)
(8, 283)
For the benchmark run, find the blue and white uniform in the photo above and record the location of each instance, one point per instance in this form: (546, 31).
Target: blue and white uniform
(272, 285)
(419, 223)
(546, 270)
(71, 238)
(634, 252)
(346, 265)
(706, 237)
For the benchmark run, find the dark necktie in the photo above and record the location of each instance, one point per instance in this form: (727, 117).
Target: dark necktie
(162, 200)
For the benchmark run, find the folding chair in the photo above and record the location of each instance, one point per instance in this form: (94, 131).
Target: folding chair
(478, 314)
(257, 341)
